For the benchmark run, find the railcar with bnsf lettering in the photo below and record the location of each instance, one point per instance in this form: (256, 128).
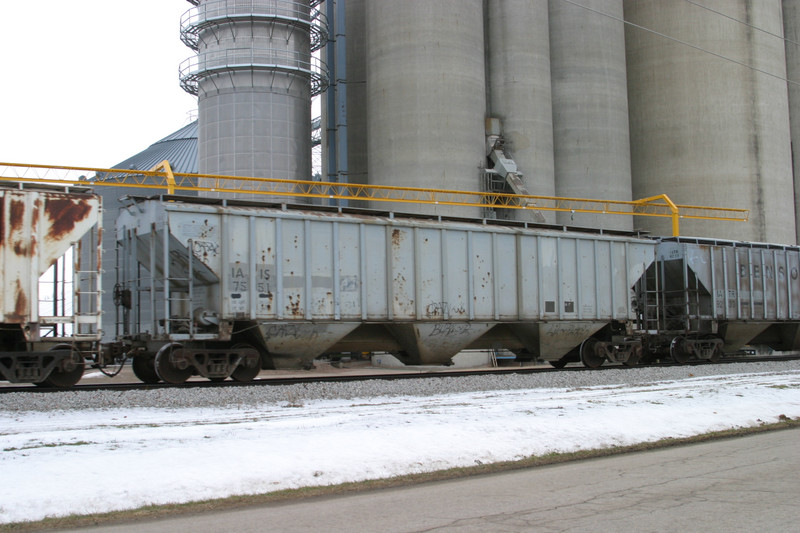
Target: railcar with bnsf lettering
(227, 289)
(702, 298)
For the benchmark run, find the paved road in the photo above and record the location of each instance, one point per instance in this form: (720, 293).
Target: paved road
(743, 484)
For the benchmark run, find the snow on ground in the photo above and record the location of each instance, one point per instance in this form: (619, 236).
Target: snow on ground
(87, 461)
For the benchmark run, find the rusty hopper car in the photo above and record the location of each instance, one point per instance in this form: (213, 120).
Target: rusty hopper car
(703, 297)
(47, 343)
(227, 288)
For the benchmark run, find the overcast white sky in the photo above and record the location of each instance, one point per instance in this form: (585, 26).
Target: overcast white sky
(89, 82)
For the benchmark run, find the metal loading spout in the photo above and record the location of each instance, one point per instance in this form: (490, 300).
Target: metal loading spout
(506, 167)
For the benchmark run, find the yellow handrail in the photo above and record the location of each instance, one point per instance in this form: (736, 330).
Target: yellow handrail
(161, 177)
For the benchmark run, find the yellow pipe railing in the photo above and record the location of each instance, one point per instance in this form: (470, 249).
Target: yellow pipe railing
(161, 177)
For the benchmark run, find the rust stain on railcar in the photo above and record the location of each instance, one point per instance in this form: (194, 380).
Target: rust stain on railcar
(20, 249)
(17, 214)
(16, 225)
(397, 237)
(33, 244)
(64, 214)
(294, 307)
(21, 312)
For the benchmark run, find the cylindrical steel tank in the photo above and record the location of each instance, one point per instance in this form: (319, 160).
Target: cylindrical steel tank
(791, 28)
(426, 102)
(254, 77)
(590, 107)
(709, 124)
(519, 93)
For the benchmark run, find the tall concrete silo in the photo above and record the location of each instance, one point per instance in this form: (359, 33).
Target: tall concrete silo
(254, 77)
(711, 130)
(519, 90)
(590, 107)
(791, 28)
(356, 91)
(426, 102)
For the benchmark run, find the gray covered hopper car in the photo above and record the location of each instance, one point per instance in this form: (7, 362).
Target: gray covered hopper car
(703, 297)
(227, 288)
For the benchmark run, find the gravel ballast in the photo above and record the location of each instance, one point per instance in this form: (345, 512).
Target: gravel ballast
(174, 398)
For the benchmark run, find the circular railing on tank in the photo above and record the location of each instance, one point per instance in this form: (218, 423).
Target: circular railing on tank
(206, 64)
(286, 12)
(314, 3)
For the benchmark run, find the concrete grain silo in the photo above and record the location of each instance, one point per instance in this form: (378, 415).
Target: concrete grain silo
(518, 88)
(791, 27)
(709, 124)
(426, 101)
(254, 77)
(590, 106)
(356, 91)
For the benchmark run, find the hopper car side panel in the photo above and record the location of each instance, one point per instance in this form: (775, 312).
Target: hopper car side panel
(305, 282)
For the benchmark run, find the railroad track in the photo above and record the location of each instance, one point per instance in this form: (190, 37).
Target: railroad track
(422, 374)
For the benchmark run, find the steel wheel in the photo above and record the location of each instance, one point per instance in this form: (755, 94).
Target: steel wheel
(243, 372)
(677, 350)
(592, 353)
(65, 378)
(170, 365)
(559, 363)
(144, 368)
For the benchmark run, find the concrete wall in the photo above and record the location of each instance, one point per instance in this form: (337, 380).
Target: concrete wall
(590, 107)
(426, 99)
(791, 26)
(357, 155)
(707, 131)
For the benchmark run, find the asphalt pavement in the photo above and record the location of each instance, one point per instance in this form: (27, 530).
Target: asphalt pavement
(740, 484)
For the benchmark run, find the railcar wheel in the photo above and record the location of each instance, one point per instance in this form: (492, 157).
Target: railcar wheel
(144, 368)
(170, 365)
(65, 378)
(678, 352)
(243, 372)
(592, 353)
(559, 363)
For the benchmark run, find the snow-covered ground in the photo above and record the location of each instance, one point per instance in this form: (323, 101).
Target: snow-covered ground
(59, 462)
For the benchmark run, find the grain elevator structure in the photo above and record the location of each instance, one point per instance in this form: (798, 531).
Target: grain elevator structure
(605, 99)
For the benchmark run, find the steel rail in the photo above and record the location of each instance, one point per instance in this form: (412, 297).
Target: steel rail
(426, 373)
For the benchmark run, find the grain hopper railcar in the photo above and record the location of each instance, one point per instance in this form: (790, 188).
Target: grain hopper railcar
(41, 228)
(224, 288)
(702, 298)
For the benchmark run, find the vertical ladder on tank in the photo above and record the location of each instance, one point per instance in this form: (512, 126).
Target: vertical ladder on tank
(87, 304)
(175, 322)
(694, 310)
(650, 297)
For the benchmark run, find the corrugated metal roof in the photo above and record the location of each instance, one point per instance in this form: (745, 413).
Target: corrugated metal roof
(179, 148)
